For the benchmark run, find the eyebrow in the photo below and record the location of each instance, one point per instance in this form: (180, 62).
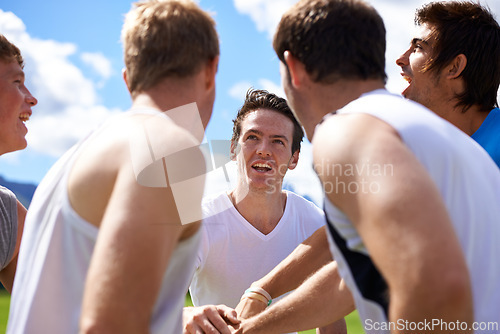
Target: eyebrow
(261, 134)
(16, 73)
(417, 40)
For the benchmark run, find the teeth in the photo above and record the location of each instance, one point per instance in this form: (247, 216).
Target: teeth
(261, 165)
(24, 117)
(407, 78)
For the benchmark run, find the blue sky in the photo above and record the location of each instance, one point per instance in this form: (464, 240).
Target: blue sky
(74, 61)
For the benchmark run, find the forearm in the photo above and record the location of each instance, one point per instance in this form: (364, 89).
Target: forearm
(320, 300)
(305, 260)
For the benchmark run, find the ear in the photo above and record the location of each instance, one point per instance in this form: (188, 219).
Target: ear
(296, 69)
(210, 72)
(294, 160)
(456, 66)
(233, 150)
(124, 75)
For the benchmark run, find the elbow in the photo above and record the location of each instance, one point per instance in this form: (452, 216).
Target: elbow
(447, 297)
(457, 295)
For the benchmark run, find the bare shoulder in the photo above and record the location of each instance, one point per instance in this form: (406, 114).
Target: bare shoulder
(115, 156)
(348, 138)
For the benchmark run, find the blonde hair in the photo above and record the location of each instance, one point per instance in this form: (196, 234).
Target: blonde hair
(166, 38)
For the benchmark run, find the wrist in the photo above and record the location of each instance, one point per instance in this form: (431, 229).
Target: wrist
(266, 287)
(259, 293)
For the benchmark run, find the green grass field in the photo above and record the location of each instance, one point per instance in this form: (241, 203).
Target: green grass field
(353, 323)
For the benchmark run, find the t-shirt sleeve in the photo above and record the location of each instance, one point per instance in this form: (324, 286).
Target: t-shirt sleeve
(8, 226)
(313, 215)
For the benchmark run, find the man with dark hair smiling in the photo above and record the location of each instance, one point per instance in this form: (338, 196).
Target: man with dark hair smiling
(250, 229)
(453, 68)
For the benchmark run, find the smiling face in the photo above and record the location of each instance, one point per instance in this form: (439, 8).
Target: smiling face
(264, 150)
(425, 87)
(15, 107)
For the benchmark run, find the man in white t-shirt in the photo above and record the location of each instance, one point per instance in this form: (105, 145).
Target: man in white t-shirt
(249, 230)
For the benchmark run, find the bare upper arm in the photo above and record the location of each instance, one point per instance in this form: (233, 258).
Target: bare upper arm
(139, 229)
(399, 213)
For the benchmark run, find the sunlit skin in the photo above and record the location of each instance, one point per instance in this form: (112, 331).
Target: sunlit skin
(15, 107)
(427, 88)
(438, 90)
(264, 152)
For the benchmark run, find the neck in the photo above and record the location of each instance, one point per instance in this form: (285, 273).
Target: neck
(329, 98)
(262, 209)
(169, 94)
(468, 121)
(164, 96)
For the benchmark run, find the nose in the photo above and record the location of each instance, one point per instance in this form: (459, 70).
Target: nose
(404, 59)
(263, 149)
(30, 99)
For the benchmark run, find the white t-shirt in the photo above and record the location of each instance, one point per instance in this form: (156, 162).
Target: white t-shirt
(54, 258)
(469, 183)
(233, 253)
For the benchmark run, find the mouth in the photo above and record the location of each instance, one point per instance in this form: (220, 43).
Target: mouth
(406, 77)
(24, 117)
(262, 167)
(409, 80)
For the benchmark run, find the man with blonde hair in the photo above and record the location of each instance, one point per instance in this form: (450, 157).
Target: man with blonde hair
(106, 246)
(15, 109)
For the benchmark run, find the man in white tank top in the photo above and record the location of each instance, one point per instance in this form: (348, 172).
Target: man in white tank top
(107, 245)
(249, 230)
(412, 202)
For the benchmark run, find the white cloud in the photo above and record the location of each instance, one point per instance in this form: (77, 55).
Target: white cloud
(99, 63)
(239, 90)
(271, 87)
(67, 105)
(11, 24)
(266, 14)
(53, 134)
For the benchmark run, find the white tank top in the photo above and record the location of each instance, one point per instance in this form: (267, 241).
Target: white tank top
(55, 253)
(469, 183)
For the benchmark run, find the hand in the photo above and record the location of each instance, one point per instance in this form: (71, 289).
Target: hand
(210, 319)
(248, 307)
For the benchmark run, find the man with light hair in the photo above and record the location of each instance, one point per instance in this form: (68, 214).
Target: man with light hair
(15, 109)
(107, 247)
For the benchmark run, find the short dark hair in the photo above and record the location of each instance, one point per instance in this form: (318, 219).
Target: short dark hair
(334, 39)
(9, 52)
(262, 99)
(464, 27)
